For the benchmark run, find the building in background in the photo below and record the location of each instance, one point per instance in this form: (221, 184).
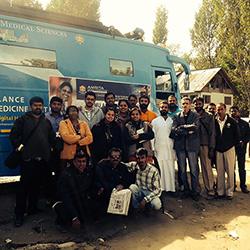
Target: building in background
(214, 85)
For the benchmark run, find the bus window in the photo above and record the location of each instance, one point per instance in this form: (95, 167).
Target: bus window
(121, 68)
(24, 56)
(163, 81)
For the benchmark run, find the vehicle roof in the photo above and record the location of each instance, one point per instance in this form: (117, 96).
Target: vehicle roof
(50, 17)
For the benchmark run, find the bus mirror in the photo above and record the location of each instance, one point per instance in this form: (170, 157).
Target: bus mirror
(186, 82)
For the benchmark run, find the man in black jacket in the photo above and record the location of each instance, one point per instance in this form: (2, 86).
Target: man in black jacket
(242, 146)
(33, 135)
(227, 137)
(74, 186)
(111, 173)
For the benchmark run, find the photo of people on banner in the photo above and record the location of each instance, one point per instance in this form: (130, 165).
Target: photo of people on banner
(72, 90)
(64, 88)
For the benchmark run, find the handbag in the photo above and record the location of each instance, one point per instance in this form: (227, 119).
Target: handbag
(13, 160)
(15, 157)
(119, 202)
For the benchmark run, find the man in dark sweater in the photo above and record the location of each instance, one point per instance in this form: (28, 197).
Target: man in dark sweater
(227, 137)
(242, 146)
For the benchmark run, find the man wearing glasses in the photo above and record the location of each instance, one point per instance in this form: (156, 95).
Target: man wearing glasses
(111, 173)
(90, 114)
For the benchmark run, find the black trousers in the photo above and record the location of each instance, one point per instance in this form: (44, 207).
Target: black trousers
(88, 209)
(242, 172)
(34, 174)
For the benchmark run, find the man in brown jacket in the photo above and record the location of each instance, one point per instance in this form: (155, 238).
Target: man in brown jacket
(206, 132)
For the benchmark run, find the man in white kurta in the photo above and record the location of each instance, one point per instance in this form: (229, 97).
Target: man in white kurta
(163, 148)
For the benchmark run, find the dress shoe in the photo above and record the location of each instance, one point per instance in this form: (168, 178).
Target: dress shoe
(229, 197)
(210, 197)
(195, 197)
(185, 196)
(34, 211)
(18, 221)
(217, 197)
(61, 228)
(245, 190)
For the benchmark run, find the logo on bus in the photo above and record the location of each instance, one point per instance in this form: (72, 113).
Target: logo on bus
(79, 39)
(82, 90)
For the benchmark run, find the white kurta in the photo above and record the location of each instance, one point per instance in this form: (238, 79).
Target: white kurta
(164, 152)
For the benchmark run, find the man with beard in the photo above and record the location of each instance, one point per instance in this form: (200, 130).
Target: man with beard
(90, 114)
(146, 115)
(146, 191)
(173, 109)
(33, 136)
(55, 116)
(132, 100)
(241, 147)
(206, 132)
(211, 108)
(109, 99)
(172, 106)
(163, 148)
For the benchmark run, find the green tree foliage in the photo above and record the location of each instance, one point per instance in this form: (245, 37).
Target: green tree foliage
(234, 51)
(28, 3)
(160, 31)
(81, 8)
(203, 36)
(221, 37)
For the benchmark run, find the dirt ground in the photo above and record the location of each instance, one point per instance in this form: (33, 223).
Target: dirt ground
(216, 224)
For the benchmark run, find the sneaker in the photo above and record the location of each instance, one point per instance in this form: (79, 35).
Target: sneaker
(18, 221)
(229, 197)
(61, 228)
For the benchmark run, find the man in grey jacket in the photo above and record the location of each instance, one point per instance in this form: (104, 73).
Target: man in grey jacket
(187, 145)
(90, 114)
(206, 132)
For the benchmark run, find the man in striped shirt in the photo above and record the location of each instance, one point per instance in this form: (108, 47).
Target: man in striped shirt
(146, 191)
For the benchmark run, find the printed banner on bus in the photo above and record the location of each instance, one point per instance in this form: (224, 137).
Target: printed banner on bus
(73, 90)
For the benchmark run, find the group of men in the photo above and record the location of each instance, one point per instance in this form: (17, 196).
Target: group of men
(214, 138)
(193, 134)
(34, 135)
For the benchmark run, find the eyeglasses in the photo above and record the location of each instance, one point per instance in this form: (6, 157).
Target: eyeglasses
(89, 99)
(115, 156)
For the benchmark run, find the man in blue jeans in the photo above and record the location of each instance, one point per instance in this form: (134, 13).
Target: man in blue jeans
(147, 187)
(187, 145)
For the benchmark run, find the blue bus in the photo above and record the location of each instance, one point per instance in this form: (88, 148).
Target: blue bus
(39, 50)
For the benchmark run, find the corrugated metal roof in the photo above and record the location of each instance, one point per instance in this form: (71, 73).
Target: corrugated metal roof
(198, 79)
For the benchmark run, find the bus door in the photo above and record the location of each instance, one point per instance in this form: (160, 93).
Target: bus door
(164, 84)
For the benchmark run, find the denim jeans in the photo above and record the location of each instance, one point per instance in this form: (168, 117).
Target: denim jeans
(192, 162)
(138, 194)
